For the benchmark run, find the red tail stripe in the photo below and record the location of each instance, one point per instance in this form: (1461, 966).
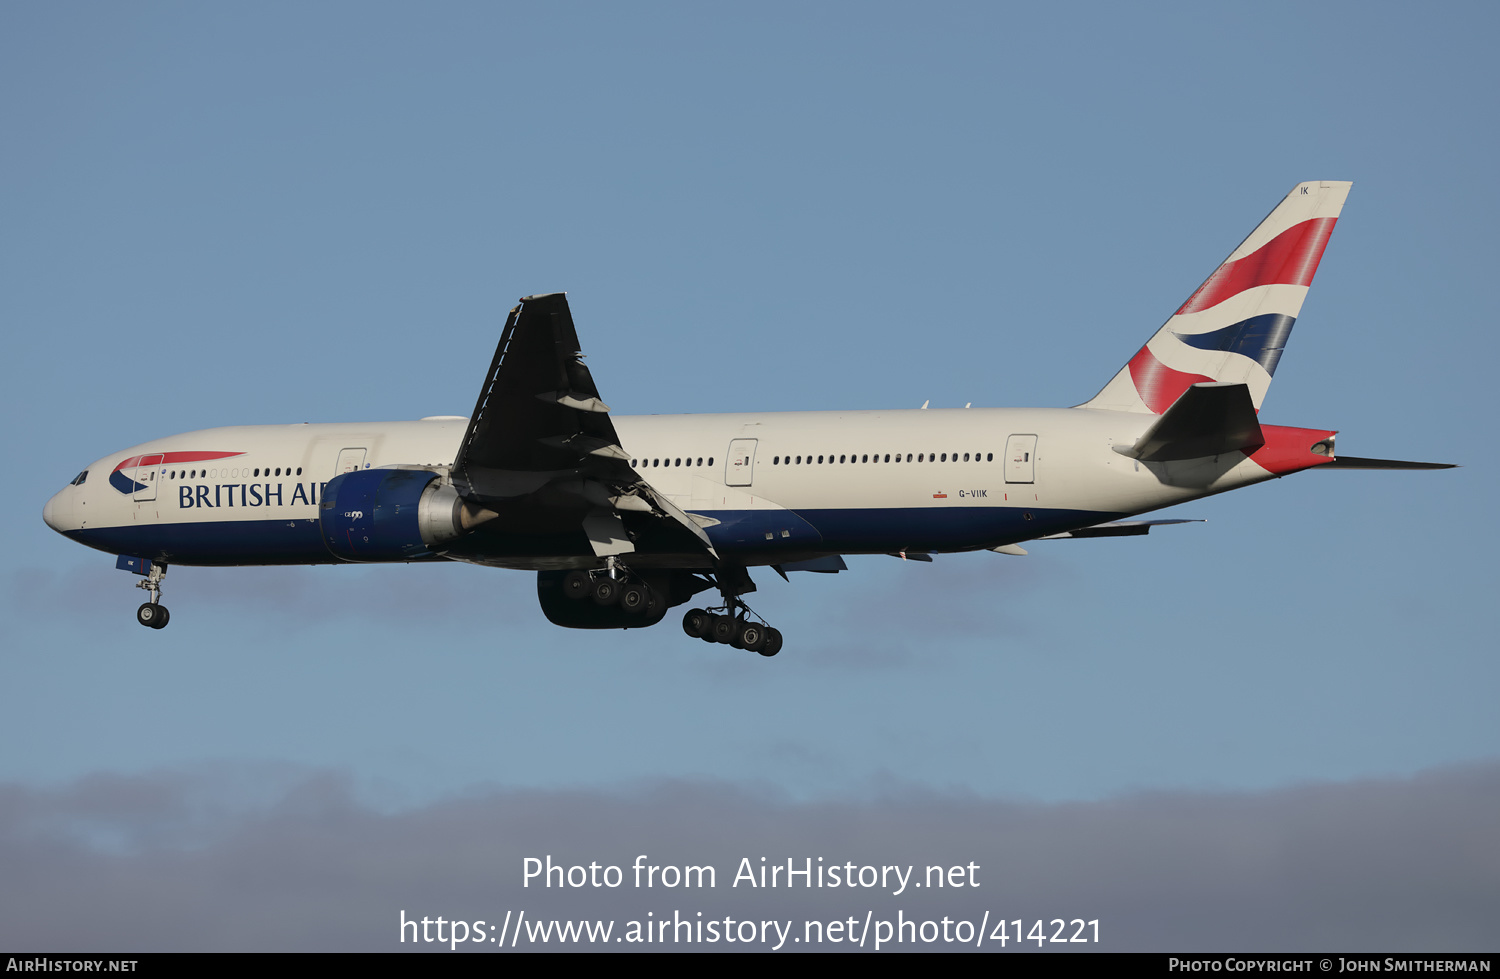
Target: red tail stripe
(1289, 259)
(1158, 384)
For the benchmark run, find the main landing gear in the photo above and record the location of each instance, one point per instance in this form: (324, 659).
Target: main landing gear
(612, 587)
(153, 614)
(732, 628)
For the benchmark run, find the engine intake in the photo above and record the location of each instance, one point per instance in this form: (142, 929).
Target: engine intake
(392, 514)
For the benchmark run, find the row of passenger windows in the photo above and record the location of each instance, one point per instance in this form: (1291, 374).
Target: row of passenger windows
(657, 463)
(228, 473)
(877, 457)
(830, 458)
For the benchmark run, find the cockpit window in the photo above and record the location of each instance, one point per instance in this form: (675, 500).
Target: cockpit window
(78, 480)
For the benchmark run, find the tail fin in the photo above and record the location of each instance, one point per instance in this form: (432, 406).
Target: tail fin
(1233, 328)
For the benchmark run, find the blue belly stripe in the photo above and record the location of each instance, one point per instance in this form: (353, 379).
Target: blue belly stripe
(875, 530)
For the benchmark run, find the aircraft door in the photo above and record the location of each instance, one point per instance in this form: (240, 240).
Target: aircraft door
(1020, 459)
(145, 478)
(350, 460)
(739, 467)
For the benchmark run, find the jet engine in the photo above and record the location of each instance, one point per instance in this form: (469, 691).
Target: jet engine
(393, 514)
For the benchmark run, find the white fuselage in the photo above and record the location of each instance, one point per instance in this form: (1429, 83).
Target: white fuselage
(865, 481)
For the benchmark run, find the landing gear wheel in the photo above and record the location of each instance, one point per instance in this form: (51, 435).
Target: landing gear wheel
(696, 623)
(577, 584)
(724, 628)
(752, 636)
(161, 623)
(773, 643)
(151, 615)
(635, 598)
(606, 591)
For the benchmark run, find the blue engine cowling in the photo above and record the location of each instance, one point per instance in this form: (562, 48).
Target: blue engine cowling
(385, 514)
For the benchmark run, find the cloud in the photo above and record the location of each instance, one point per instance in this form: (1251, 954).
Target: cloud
(297, 860)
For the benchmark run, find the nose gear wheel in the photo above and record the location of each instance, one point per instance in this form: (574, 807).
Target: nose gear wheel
(153, 614)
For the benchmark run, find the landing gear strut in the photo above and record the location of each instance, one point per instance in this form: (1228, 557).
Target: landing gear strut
(153, 614)
(732, 627)
(733, 624)
(613, 586)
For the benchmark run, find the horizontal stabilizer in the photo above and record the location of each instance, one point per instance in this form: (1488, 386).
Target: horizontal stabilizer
(1119, 528)
(1210, 418)
(1354, 462)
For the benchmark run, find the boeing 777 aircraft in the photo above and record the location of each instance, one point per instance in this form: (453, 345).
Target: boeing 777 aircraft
(624, 518)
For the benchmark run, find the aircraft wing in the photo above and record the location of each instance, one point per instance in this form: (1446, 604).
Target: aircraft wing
(541, 437)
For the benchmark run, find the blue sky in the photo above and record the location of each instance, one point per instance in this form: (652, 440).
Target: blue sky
(234, 215)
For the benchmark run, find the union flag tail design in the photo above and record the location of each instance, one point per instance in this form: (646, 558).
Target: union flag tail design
(1235, 326)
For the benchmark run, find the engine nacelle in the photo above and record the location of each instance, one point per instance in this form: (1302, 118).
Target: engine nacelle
(389, 514)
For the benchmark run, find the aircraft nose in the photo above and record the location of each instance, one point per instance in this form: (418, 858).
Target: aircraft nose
(59, 511)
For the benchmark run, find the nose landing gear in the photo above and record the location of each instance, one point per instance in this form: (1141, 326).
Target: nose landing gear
(153, 614)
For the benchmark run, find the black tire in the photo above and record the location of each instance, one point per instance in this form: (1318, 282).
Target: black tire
(162, 619)
(148, 615)
(635, 598)
(724, 628)
(773, 643)
(752, 636)
(606, 591)
(696, 622)
(577, 584)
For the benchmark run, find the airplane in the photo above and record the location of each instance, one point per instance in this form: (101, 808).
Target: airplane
(625, 518)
